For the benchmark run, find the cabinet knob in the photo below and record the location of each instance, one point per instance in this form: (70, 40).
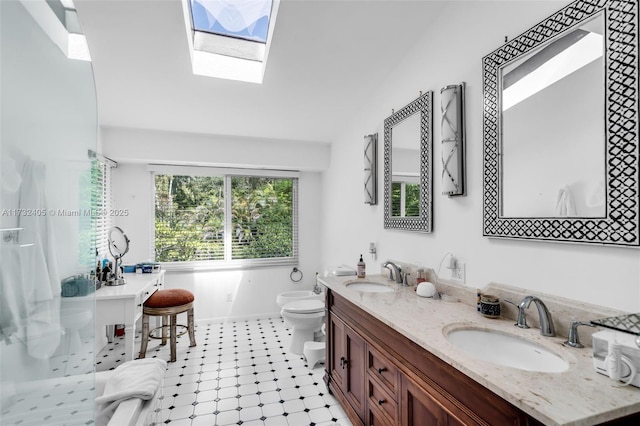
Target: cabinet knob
(381, 401)
(139, 305)
(381, 370)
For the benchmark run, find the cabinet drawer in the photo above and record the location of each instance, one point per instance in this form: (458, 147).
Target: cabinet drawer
(145, 294)
(382, 401)
(381, 368)
(377, 418)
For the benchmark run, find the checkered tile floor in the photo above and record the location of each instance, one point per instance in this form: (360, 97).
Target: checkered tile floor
(239, 374)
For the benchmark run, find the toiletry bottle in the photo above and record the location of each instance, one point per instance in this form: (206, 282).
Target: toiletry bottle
(361, 268)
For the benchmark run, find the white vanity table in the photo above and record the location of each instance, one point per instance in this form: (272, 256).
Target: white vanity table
(123, 304)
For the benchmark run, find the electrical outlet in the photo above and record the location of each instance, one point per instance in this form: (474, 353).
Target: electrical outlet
(458, 273)
(229, 297)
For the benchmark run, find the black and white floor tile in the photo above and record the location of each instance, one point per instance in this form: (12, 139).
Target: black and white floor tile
(238, 374)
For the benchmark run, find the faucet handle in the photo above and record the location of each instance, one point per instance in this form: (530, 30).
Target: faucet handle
(405, 279)
(522, 317)
(574, 338)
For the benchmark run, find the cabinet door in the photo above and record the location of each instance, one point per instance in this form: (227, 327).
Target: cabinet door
(419, 407)
(347, 363)
(337, 351)
(355, 370)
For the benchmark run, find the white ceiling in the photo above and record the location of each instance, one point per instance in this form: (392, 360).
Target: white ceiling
(326, 59)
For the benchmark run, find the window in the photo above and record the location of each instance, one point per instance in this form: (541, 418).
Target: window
(233, 218)
(405, 199)
(100, 204)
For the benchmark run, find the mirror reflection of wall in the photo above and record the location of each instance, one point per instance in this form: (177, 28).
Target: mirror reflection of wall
(405, 168)
(553, 138)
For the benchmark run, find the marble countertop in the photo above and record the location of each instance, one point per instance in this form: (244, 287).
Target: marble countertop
(577, 396)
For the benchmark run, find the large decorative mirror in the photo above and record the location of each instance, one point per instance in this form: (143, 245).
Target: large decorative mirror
(407, 166)
(561, 128)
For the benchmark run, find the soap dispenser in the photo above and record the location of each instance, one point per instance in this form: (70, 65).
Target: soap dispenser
(361, 268)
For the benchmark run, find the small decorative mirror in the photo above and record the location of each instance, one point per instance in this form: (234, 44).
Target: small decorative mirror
(407, 166)
(561, 129)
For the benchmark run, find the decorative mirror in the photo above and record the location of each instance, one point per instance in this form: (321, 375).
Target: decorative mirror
(407, 166)
(561, 152)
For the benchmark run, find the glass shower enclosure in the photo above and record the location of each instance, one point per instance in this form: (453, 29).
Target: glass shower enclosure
(48, 125)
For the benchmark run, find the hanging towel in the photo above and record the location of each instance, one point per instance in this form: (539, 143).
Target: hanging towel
(14, 296)
(40, 269)
(140, 378)
(13, 300)
(565, 205)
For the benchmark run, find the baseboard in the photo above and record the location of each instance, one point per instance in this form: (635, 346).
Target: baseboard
(236, 318)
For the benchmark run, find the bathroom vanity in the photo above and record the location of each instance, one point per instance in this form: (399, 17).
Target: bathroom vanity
(389, 363)
(122, 304)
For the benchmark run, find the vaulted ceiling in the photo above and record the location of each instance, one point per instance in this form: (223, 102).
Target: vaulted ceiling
(327, 58)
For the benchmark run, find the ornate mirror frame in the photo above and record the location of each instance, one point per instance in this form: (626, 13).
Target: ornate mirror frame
(423, 105)
(621, 224)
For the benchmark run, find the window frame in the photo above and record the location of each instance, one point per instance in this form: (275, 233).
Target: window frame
(227, 174)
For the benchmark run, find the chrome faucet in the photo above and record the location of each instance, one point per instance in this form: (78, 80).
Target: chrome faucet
(394, 272)
(546, 323)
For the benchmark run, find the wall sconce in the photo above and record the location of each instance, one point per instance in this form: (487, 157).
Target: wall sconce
(370, 169)
(453, 140)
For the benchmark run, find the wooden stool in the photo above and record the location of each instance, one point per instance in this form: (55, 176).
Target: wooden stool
(167, 304)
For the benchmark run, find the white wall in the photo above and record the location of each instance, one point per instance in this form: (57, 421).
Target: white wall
(160, 147)
(253, 292)
(450, 52)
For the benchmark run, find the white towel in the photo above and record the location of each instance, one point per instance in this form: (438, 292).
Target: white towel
(40, 269)
(565, 205)
(140, 378)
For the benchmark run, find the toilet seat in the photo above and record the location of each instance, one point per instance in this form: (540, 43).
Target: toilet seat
(307, 306)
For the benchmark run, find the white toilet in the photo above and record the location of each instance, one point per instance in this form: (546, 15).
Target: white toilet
(292, 296)
(72, 321)
(305, 317)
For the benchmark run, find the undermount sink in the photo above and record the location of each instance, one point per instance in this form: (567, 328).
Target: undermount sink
(507, 350)
(369, 286)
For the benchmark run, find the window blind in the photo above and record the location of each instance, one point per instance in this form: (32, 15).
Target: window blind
(101, 203)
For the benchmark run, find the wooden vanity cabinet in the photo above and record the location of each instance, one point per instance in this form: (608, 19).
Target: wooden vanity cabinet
(383, 378)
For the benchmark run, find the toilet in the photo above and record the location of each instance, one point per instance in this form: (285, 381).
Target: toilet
(292, 296)
(73, 318)
(305, 317)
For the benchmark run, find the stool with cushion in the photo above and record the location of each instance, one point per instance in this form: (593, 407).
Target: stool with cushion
(168, 304)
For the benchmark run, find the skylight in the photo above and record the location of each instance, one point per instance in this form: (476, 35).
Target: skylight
(230, 38)
(247, 19)
(59, 20)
